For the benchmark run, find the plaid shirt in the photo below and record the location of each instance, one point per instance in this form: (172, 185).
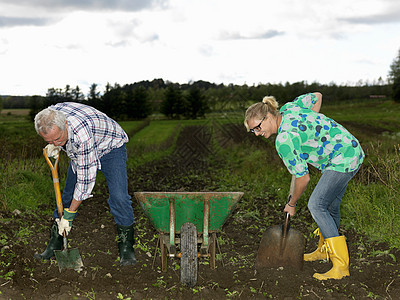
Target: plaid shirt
(91, 135)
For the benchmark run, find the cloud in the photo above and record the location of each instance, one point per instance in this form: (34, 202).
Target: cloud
(260, 36)
(149, 38)
(127, 43)
(365, 61)
(206, 50)
(17, 21)
(133, 28)
(119, 5)
(392, 16)
(122, 43)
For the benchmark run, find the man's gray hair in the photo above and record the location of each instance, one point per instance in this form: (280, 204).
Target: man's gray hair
(47, 118)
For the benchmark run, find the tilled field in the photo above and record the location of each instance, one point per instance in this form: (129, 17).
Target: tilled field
(374, 271)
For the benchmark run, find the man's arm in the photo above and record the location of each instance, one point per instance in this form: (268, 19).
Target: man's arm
(74, 205)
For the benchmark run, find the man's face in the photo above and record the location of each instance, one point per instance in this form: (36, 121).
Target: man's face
(56, 136)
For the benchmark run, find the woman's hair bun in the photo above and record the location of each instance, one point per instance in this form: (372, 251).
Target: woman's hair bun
(271, 101)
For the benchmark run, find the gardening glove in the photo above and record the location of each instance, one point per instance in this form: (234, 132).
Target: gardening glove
(66, 221)
(52, 151)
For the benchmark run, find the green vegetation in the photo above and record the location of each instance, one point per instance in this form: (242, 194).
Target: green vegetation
(156, 140)
(132, 126)
(25, 181)
(371, 204)
(24, 185)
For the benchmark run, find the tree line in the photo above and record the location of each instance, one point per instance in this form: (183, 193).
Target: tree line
(192, 100)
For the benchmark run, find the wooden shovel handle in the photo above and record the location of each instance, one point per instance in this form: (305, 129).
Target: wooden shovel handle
(286, 225)
(56, 181)
(287, 217)
(292, 185)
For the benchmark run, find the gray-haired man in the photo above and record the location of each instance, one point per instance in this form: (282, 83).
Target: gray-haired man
(93, 142)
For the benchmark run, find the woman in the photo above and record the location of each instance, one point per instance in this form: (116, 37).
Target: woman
(306, 137)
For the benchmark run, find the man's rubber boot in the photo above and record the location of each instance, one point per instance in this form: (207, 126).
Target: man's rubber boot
(55, 243)
(339, 255)
(318, 254)
(126, 240)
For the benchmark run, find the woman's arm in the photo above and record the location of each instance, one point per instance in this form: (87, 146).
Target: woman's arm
(300, 185)
(317, 105)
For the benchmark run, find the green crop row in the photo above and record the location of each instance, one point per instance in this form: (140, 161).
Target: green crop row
(371, 205)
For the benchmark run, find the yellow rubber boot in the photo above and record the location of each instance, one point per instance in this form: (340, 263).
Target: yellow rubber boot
(318, 254)
(339, 255)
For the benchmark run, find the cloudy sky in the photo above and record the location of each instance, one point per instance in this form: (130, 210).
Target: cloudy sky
(52, 43)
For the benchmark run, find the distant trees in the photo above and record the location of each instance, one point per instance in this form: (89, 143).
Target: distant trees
(127, 102)
(77, 95)
(194, 99)
(137, 103)
(196, 105)
(394, 77)
(190, 104)
(172, 105)
(93, 97)
(111, 103)
(36, 105)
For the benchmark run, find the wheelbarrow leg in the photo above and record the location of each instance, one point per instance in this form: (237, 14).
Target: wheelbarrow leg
(163, 249)
(212, 250)
(206, 216)
(172, 246)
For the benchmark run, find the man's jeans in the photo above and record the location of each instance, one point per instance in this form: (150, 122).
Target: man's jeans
(324, 203)
(113, 166)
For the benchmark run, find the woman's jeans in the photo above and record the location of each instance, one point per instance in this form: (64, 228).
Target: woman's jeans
(113, 166)
(324, 203)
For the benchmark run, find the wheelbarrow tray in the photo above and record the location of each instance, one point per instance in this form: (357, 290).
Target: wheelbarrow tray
(190, 219)
(189, 207)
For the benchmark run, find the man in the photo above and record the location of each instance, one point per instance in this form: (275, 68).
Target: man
(93, 142)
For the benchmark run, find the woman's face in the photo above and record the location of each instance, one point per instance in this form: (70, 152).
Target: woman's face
(263, 127)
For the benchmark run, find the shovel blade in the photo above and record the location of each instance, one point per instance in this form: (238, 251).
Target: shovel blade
(69, 259)
(276, 251)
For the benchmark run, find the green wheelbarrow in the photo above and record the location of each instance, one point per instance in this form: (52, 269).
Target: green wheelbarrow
(187, 223)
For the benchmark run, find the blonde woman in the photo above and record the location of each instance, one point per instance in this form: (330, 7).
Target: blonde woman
(306, 137)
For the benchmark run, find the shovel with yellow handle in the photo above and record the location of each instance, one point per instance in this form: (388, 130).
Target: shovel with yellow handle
(66, 258)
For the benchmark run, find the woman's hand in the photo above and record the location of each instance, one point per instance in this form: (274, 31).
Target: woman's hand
(297, 187)
(290, 210)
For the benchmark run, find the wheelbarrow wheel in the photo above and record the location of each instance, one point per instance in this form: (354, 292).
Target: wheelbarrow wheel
(189, 254)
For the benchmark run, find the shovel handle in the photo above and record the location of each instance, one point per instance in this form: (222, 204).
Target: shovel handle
(292, 185)
(287, 216)
(286, 225)
(56, 181)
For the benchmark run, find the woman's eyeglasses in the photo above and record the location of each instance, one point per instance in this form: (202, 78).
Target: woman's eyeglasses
(258, 127)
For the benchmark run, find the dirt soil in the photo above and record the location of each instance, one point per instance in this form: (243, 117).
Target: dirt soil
(374, 270)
